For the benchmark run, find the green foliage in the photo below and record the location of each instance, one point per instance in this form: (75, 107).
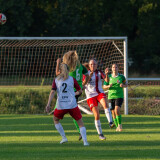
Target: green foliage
(138, 20)
(22, 100)
(144, 100)
(144, 91)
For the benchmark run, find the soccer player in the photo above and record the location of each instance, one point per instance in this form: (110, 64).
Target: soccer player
(66, 102)
(95, 94)
(115, 94)
(76, 69)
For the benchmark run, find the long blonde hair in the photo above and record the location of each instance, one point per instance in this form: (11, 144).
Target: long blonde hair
(71, 59)
(64, 72)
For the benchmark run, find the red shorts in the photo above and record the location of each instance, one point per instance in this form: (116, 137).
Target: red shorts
(93, 102)
(75, 113)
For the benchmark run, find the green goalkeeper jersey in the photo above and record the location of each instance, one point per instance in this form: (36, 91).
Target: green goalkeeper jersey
(77, 74)
(115, 91)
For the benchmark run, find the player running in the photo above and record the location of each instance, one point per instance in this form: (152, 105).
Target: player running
(95, 94)
(66, 102)
(115, 94)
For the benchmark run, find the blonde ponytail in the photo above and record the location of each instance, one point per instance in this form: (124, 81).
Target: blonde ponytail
(64, 72)
(71, 59)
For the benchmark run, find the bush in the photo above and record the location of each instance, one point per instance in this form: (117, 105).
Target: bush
(24, 100)
(32, 100)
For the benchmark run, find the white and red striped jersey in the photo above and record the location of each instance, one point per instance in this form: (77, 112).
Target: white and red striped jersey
(94, 86)
(65, 92)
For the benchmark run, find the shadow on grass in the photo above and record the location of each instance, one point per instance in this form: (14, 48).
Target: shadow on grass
(76, 150)
(33, 126)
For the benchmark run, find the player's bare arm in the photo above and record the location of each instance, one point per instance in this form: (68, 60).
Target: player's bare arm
(78, 92)
(51, 96)
(107, 86)
(124, 85)
(85, 80)
(90, 75)
(106, 73)
(58, 66)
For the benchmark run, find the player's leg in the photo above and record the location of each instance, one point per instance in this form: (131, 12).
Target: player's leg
(112, 108)
(95, 111)
(58, 114)
(114, 118)
(118, 118)
(103, 102)
(93, 104)
(118, 104)
(76, 114)
(75, 122)
(83, 132)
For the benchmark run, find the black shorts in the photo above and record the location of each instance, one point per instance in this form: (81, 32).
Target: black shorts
(115, 102)
(77, 97)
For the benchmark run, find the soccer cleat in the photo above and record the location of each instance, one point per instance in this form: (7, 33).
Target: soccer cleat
(119, 128)
(80, 137)
(86, 144)
(111, 124)
(64, 140)
(102, 137)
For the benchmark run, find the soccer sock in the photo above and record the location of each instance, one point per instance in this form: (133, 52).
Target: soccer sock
(60, 130)
(83, 133)
(119, 119)
(76, 124)
(98, 126)
(108, 115)
(115, 122)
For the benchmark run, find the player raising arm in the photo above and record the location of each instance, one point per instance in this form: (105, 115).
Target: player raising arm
(115, 94)
(76, 69)
(95, 94)
(66, 102)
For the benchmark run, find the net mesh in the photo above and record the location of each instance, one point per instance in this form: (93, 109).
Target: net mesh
(33, 62)
(144, 97)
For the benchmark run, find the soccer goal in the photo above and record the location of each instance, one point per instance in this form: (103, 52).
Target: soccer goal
(32, 60)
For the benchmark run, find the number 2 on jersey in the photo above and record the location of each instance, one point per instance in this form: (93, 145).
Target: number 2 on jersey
(65, 86)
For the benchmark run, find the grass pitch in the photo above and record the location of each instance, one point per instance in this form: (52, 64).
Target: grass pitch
(27, 137)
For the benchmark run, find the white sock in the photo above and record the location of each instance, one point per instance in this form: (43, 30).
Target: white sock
(108, 115)
(98, 126)
(83, 134)
(60, 130)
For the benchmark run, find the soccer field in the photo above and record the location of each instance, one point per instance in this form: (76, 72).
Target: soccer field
(24, 137)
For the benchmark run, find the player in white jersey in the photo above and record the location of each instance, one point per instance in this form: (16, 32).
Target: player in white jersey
(95, 94)
(66, 102)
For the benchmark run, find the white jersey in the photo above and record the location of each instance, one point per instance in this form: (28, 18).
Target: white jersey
(65, 92)
(94, 86)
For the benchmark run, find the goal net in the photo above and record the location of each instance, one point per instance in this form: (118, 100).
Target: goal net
(31, 61)
(144, 96)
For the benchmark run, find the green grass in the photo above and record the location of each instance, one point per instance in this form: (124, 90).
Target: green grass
(26, 137)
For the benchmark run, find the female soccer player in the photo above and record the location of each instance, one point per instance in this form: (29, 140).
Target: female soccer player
(115, 94)
(95, 94)
(66, 102)
(76, 69)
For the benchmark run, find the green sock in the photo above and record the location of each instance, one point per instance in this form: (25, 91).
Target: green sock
(76, 124)
(119, 119)
(115, 122)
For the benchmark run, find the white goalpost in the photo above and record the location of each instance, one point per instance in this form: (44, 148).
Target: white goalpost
(32, 60)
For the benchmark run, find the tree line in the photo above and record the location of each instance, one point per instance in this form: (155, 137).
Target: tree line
(139, 20)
